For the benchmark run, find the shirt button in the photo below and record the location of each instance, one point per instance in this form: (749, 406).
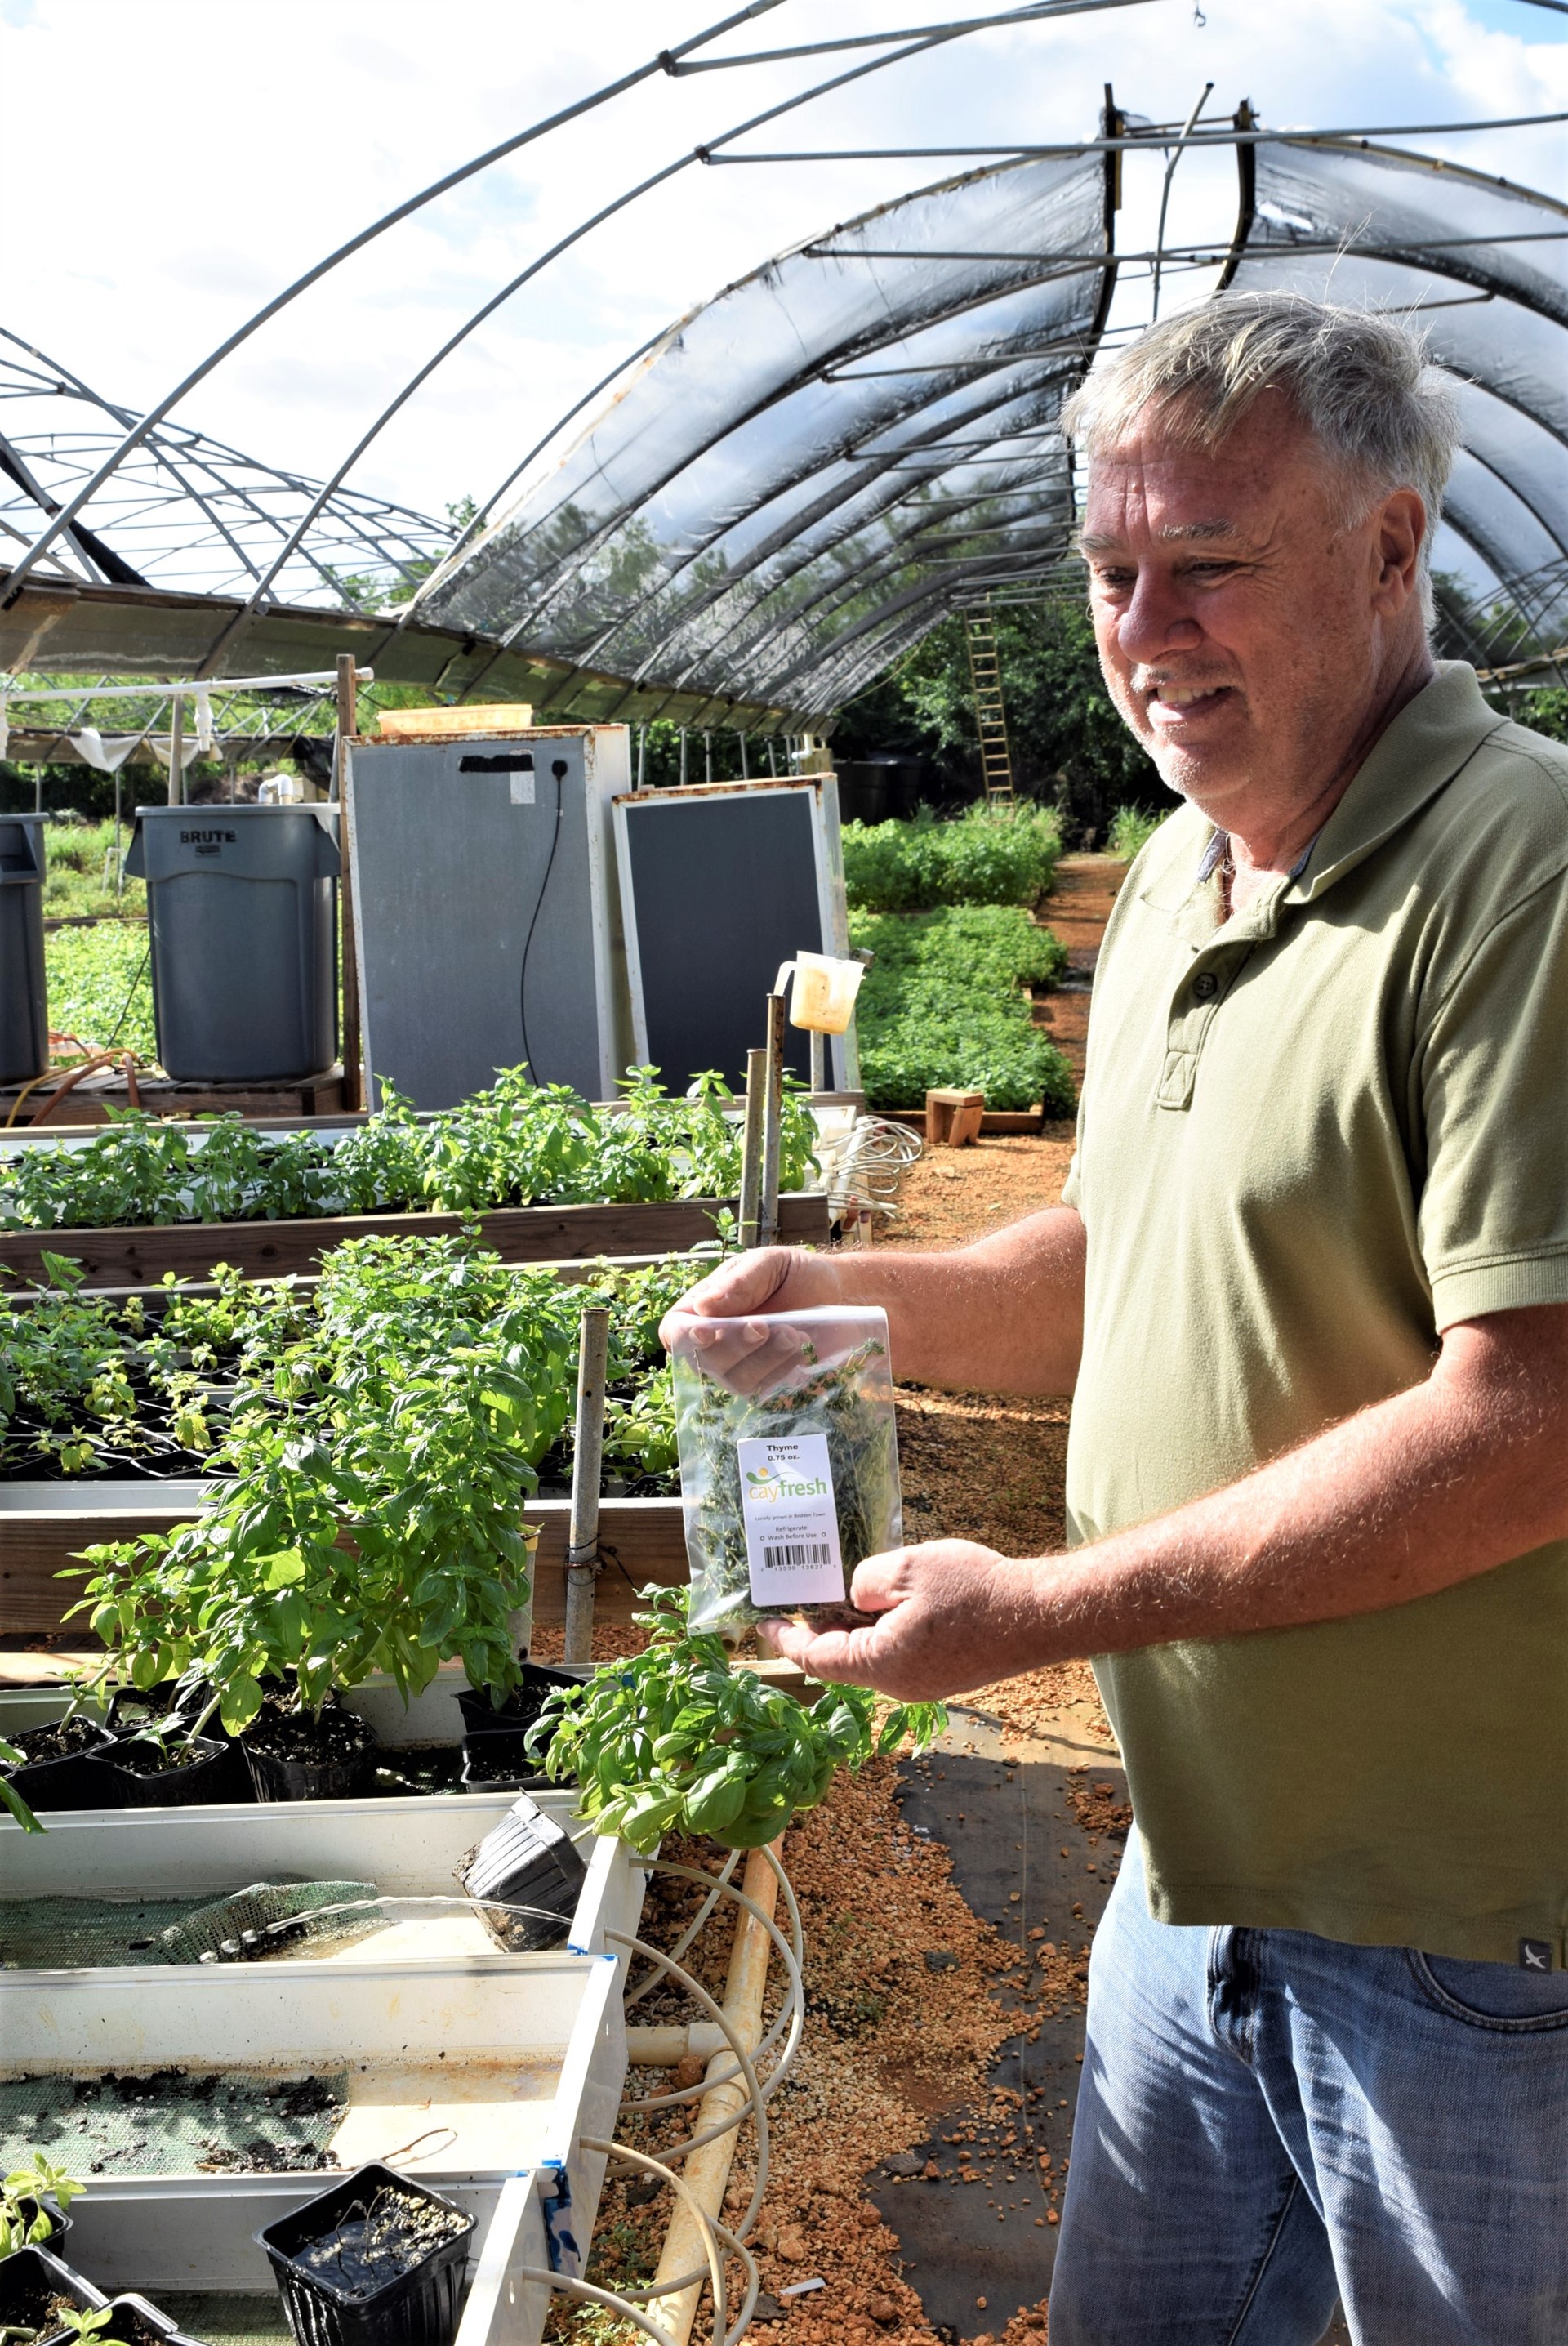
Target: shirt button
(1205, 985)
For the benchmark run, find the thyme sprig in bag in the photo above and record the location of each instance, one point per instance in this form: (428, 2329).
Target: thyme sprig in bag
(788, 1461)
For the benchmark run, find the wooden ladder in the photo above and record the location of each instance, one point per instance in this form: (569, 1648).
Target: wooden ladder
(989, 716)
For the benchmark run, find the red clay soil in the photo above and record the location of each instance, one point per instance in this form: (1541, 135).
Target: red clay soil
(1076, 910)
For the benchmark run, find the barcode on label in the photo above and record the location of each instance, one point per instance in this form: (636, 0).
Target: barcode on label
(800, 1556)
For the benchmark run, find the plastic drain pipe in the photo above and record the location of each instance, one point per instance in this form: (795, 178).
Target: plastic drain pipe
(706, 2170)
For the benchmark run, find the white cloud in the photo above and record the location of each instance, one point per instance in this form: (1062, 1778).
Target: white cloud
(183, 160)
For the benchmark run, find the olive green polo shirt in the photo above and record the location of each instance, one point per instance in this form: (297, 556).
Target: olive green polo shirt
(1312, 1137)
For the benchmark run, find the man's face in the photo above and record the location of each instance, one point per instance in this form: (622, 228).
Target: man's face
(1241, 626)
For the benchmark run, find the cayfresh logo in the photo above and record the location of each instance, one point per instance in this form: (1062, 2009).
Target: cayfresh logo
(770, 1487)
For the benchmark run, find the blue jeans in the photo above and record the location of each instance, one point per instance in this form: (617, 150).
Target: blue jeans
(1268, 2119)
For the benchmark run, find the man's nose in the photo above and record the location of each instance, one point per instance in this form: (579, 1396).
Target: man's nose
(1156, 620)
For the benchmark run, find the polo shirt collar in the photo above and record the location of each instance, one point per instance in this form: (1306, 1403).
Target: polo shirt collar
(1428, 742)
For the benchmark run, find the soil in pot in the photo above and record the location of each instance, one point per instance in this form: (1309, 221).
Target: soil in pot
(376, 2258)
(35, 2289)
(294, 1756)
(60, 1738)
(135, 1706)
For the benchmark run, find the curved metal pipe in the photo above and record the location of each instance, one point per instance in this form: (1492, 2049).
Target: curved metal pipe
(662, 63)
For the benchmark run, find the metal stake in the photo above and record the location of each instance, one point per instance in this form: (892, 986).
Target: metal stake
(751, 1148)
(587, 1467)
(772, 1121)
(819, 1061)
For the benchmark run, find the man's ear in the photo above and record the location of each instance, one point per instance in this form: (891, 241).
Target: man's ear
(1401, 534)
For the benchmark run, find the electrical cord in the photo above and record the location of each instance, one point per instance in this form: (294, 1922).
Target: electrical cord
(558, 769)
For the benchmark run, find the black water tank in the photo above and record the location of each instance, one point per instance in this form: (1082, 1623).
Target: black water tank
(24, 1011)
(242, 912)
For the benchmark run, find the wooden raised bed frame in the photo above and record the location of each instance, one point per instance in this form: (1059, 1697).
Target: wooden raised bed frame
(641, 1540)
(139, 1257)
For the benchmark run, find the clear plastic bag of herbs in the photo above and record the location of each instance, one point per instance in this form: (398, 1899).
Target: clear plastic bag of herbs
(788, 1461)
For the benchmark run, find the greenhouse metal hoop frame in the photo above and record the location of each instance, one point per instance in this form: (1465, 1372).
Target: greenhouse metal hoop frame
(773, 583)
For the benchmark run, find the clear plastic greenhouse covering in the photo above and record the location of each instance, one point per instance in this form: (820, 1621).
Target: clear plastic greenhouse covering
(808, 469)
(1481, 266)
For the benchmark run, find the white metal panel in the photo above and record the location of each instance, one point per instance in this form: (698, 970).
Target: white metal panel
(478, 911)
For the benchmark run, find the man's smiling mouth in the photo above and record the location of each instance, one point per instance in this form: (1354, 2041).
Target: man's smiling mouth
(1180, 700)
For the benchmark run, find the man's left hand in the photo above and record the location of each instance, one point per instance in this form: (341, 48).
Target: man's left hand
(948, 1615)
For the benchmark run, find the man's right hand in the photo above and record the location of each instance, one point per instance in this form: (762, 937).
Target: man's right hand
(769, 1280)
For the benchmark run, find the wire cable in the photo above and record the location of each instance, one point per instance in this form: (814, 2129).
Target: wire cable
(558, 769)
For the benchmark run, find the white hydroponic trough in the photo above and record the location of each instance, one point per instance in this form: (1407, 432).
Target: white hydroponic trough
(480, 2071)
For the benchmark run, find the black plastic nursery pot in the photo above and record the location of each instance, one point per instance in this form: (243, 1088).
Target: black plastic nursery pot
(521, 1706)
(276, 1778)
(59, 2224)
(498, 1761)
(138, 2322)
(31, 2281)
(291, 1759)
(328, 2282)
(75, 1779)
(215, 1771)
(525, 1861)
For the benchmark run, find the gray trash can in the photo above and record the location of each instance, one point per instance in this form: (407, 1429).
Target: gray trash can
(24, 1010)
(243, 912)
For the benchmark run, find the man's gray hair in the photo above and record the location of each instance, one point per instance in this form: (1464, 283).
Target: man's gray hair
(1360, 382)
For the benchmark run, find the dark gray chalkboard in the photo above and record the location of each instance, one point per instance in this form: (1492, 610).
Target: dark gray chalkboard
(719, 888)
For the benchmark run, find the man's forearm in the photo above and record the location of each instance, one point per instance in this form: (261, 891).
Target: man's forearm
(1005, 1315)
(1420, 1492)
(1426, 1489)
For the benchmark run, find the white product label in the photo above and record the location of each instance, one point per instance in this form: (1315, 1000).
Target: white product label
(522, 790)
(791, 1522)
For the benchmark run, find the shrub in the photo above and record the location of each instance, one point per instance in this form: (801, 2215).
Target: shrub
(1132, 828)
(942, 1004)
(985, 856)
(100, 986)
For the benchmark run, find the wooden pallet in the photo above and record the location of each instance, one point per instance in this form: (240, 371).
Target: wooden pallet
(141, 1258)
(640, 1540)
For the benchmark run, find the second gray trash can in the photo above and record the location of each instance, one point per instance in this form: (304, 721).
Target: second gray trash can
(24, 1011)
(242, 915)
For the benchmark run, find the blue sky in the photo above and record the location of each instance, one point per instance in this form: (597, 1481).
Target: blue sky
(190, 159)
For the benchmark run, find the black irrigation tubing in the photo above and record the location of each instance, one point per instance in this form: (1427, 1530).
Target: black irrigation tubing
(62, 520)
(1230, 135)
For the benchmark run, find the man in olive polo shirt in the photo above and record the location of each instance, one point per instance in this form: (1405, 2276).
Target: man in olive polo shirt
(1309, 1287)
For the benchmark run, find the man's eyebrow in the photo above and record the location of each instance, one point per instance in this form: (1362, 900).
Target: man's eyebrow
(1172, 534)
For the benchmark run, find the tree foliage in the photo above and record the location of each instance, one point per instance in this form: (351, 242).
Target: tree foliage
(1069, 746)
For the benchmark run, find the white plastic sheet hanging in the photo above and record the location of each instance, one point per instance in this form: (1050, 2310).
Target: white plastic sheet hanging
(106, 757)
(162, 746)
(204, 722)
